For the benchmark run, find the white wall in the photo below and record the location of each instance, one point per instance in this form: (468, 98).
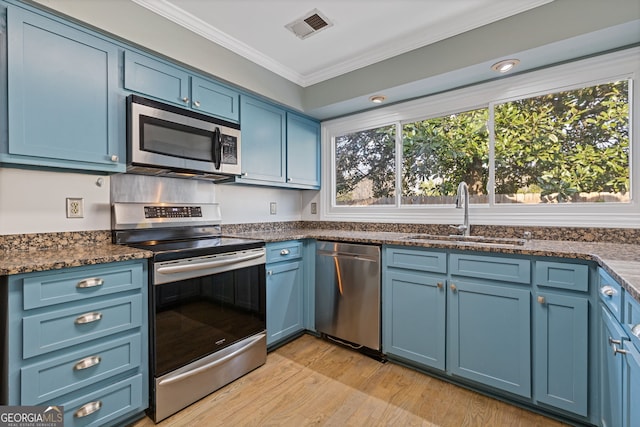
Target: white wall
(245, 204)
(35, 201)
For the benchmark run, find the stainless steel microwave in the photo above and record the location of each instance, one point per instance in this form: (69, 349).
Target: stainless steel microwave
(171, 141)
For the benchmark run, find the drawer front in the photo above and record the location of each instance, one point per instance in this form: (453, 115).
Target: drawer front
(419, 260)
(64, 374)
(610, 293)
(491, 268)
(283, 251)
(573, 277)
(102, 406)
(54, 288)
(58, 329)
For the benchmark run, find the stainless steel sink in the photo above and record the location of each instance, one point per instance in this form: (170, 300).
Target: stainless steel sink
(468, 239)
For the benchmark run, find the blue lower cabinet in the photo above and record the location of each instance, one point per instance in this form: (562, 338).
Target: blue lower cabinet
(562, 352)
(78, 337)
(414, 316)
(285, 290)
(610, 370)
(489, 335)
(631, 386)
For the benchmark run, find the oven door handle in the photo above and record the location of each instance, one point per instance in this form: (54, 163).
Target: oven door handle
(214, 363)
(207, 264)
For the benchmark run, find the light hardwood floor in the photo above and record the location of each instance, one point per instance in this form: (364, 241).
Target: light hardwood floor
(311, 382)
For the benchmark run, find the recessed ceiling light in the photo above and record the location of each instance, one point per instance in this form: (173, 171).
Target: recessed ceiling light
(504, 66)
(377, 99)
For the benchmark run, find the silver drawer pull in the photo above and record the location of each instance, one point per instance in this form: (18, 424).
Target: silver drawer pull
(608, 291)
(87, 362)
(90, 283)
(284, 252)
(88, 318)
(88, 409)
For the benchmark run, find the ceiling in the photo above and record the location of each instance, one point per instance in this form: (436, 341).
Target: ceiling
(363, 32)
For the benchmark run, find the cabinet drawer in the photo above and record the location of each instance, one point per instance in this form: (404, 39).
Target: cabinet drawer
(155, 78)
(102, 406)
(415, 259)
(284, 251)
(574, 277)
(42, 290)
(492, 268)
(58, 329)
(610, 293)
(64, 374)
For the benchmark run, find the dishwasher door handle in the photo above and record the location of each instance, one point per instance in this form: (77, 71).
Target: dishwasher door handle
(348, 255)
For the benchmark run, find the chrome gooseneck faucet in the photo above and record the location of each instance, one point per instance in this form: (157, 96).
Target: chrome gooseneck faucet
(462, 198)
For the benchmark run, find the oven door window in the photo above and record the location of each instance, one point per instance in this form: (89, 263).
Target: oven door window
(175, 139)
(197, 317)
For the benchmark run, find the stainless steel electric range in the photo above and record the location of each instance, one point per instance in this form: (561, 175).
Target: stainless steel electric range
(207, 299)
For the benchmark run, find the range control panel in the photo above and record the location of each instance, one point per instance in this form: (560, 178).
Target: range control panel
(172, 212)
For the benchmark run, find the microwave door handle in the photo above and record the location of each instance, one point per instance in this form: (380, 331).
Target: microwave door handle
(217, 148)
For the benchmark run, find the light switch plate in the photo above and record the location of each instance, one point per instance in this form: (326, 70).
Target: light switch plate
(314, 208)
(273, 208)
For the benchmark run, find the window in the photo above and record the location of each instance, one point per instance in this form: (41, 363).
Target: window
(551, 147)
(365, 167)
(564, 147)
(439, 153)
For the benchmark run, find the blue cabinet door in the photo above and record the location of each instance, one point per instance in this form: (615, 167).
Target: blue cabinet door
(263, 141)
(489, 335)
(157, 79)
(610, 370)
(62, 93)
(303, 151)
(215, 99)
(631, 386)
(284, 300)
(414, 315)
(562, 351)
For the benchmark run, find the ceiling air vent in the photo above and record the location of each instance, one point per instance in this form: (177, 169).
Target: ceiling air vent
(309, 24)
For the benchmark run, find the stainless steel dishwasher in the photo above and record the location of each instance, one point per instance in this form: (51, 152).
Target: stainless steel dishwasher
(348, 292)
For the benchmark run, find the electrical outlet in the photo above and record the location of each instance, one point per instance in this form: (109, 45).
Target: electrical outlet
(314, 208)
(273, 208)
(75, 207)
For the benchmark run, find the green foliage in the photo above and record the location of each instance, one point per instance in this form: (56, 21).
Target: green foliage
(556, 145)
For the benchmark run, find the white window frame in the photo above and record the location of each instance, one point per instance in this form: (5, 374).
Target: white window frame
(623, 64)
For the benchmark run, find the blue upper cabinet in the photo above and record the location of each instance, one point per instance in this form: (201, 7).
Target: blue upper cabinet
(279, 148)
(175, 85)
(263, 141)
(303, 151)
(63, 101)
(157, 79)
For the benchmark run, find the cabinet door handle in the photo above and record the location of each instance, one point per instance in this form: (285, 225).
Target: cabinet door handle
(185, 99)
(617, 350)
(114, 158)
(439, 285)
(90, 283)
(196, 103)
(608, 291)
(87, 362)
(541, 299)
(615, 342)
(88, 409)
(269, 273)
(453, 287)
(285, 252)
(88, 318)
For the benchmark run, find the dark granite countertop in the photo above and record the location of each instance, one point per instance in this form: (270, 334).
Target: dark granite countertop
(26, 253)
(622, 261)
